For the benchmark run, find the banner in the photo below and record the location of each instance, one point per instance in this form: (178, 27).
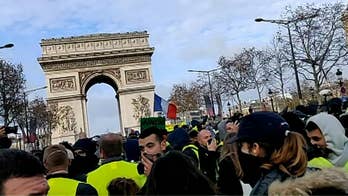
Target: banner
(208, 105)
(158, 122)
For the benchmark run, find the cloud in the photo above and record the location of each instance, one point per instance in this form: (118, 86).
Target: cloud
(186, 34)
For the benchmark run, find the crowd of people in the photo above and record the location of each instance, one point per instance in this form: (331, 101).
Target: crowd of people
(298, 152)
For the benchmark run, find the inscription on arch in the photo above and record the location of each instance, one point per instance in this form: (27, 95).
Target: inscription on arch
(63, 84)
(137, 76)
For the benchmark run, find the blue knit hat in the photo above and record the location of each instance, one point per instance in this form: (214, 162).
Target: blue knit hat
(266, 127)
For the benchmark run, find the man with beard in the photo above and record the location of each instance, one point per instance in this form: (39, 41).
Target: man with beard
(328, 135)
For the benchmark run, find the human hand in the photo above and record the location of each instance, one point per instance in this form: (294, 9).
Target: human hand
(212, 146)
(36, 185)
(147, 164)
(2, 132)
(232, 127)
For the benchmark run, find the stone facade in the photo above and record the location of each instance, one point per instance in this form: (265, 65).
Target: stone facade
(72, 65)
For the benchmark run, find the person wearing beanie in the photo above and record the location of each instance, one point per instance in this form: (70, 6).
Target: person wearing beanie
(265, 137)
(56, 161)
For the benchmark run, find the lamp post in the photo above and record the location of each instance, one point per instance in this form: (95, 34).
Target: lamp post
(25, 93)
(270, 93)
(210, 86)
(311, 89)
(229, 109)
(287, 23)
(340, 82)
(7, 46)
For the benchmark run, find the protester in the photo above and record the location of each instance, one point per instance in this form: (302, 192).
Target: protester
(280, 152)
(5, 142)
(56, 161)
(204, 154)
(21, 174)
(175, 174)
(152, 144)
(122, 186)
(113, 165)
(327, 133)
(84, 160)
(228, 181)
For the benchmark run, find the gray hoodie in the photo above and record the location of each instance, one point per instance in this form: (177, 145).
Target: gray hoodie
(334, 135)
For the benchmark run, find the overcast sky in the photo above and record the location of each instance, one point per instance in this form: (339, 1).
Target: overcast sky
(186, 35)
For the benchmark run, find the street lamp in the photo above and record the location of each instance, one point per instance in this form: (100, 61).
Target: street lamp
(25, 93)
(340, 82)
(286, 23)
(210, 86)
(229, 108)
(339, 77)
(311, 89)
(7, 46)
(270, 93)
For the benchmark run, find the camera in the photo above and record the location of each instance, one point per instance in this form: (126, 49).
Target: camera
(13, 130)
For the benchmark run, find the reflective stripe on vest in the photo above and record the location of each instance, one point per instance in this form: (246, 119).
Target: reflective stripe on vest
(62, 186)
(102, 176)
(194, 148)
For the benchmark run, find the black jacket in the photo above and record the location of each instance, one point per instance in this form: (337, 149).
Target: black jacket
(207, 161)
(228, 182)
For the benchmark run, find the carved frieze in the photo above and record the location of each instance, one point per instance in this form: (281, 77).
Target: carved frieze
(87, 46)
(62, 84)
(85, 63)
(141, 107)
(137, 76)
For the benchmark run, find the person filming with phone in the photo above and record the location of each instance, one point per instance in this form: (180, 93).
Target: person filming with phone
(6, 142)
(204, 154)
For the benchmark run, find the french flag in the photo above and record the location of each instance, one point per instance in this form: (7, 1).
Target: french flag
(168, 108)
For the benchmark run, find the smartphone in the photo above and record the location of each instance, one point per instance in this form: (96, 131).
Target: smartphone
(9, 130)
(210, 140)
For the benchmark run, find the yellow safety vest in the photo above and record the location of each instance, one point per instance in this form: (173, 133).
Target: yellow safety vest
(320, 162)
(194, 148)
(102, 176)
(62, 186)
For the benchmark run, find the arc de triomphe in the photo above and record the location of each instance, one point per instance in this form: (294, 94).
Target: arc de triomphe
(73, 64)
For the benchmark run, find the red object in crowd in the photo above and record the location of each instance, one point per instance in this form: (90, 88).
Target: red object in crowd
(171, 114)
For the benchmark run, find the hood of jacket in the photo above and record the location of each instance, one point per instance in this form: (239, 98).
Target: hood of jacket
(334, 135)
(331, 178)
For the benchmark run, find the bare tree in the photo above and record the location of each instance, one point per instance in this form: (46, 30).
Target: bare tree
(319, 42)
(186, 97)
(257, 62)
(233, 76)
(279, 67)
(11, 91)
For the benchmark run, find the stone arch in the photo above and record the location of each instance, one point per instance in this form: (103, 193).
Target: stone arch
(100, 77)
(73, 64)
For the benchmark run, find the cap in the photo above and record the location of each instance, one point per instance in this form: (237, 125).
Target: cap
(266, 127)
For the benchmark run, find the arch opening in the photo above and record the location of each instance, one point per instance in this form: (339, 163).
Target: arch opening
(102, 105)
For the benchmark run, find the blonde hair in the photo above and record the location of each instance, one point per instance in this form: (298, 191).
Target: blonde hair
(291, 157)
(55, 156)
